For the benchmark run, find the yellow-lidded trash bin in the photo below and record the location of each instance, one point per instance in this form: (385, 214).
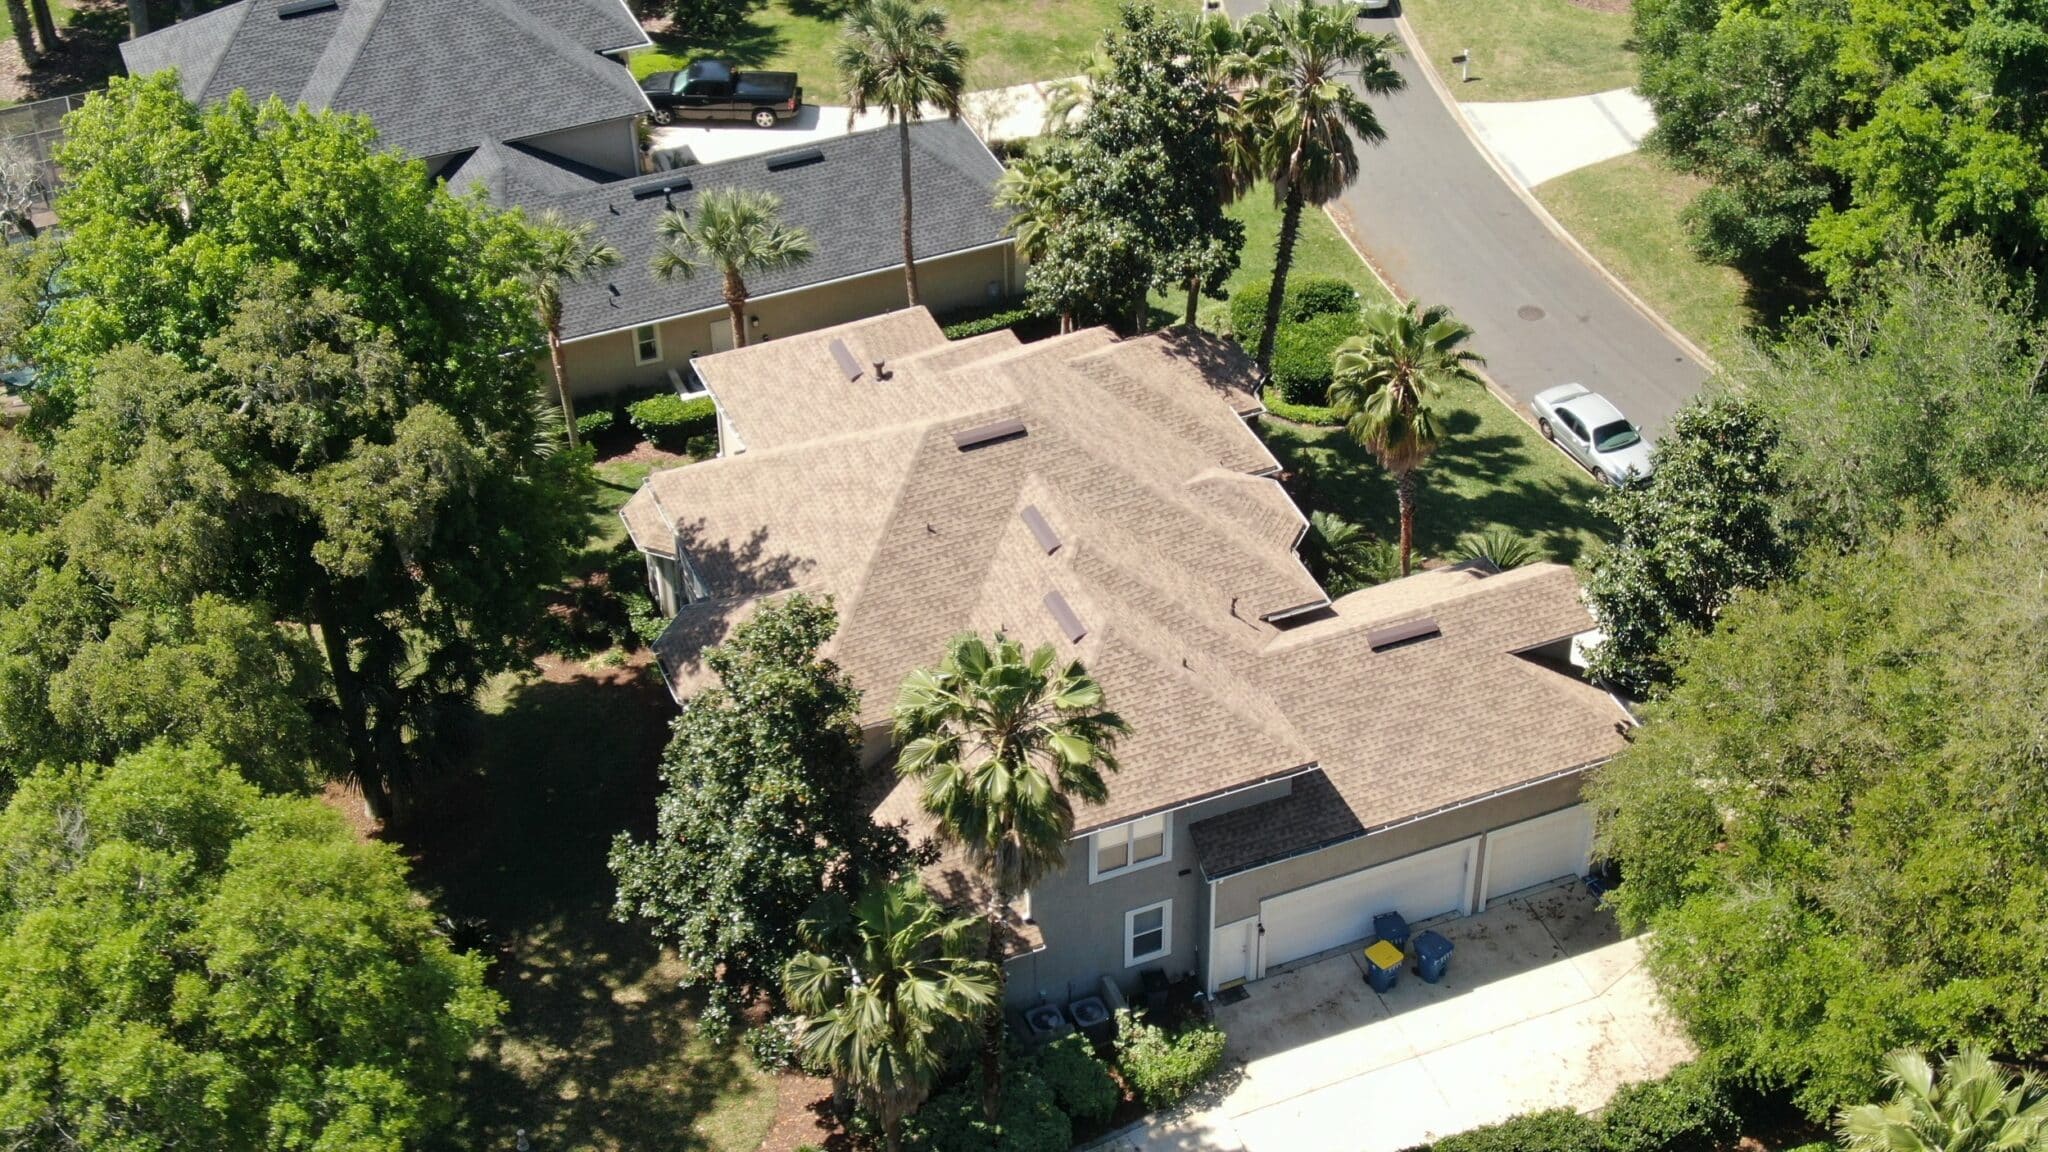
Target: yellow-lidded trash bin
(1382, 965)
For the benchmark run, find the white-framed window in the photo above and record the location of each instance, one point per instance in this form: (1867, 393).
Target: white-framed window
(1141, 843)
(646, 344)
(1148, 933)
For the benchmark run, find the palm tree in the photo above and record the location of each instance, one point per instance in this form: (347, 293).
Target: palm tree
(563, 253)
(1500, 546)
(739, 231)
(1035, 188)
(1303, 57)
(1003, 745)
(1975, 1106)
(1341, 556)
(889, 985)
(1388, 385)
(894, 54)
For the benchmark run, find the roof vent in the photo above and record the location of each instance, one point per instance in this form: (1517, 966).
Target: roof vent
(987, 434)
(305, 8)
(796, 159)
(1063, 615)
(844, 357)
(663, 189)
(1397, 635)
(1040, 530)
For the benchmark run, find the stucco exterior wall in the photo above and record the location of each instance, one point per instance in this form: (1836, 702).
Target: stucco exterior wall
(1083, 922)
(610, 145)
(1238, 896)
(605, 364)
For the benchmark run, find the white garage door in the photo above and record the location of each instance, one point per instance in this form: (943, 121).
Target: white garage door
(1340, 911)
(1523, 855)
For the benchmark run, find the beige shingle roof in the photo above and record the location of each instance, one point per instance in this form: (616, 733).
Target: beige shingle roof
(1173, 548)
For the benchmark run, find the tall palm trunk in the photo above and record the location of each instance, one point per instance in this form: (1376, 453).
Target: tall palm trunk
(138, 18)
(562, 379)
(992, 1023)
(24, 38)
(46, 25)
(892, 1133)
(1290, 226)
(909, 255)
(1404, 492)
(736, 306)
(348, 693)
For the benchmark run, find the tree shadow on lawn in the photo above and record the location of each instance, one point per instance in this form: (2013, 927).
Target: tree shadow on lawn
(1475, 480)
(597, 1046)
(750, 45)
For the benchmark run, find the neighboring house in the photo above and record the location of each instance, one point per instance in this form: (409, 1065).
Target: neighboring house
(627, 329)
(1295, 765)
(467, 86)
(530, 101)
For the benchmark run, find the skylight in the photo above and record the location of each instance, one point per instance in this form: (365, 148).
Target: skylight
(1063, 615)
(986, 434)
(663, 189)
(1397, 635)
(796, 159)
(844, 356)
(305, 8)
(1040, 530)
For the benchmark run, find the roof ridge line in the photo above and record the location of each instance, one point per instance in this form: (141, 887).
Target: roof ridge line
(338, 57)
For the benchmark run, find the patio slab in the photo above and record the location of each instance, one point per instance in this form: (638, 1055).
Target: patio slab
(1544, 1006)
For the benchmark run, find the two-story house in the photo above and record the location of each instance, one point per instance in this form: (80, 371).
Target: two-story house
(1295, 765)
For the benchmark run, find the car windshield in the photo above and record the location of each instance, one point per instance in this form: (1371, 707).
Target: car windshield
(1616, 436)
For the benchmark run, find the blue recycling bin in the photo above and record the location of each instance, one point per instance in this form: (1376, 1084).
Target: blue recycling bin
(1389, 926)
(1432, 957)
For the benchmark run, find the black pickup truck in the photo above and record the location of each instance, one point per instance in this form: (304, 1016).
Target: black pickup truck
(711, 90)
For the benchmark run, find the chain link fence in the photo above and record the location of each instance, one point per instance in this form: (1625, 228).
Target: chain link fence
(36, 130)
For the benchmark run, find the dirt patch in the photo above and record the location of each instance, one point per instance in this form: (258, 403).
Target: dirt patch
(1613, 7)
(803, 1116)
(639, 450)
(88, 52)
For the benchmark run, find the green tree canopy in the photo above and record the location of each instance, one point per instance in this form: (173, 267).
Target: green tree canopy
(287, 372)
(1837, 821)
(1704, 526)
(762, 809)
(185, 963)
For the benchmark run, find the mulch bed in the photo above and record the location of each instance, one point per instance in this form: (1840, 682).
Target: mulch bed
(803, 1116)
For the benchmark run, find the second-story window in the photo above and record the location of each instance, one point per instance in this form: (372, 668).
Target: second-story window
(1125, 847)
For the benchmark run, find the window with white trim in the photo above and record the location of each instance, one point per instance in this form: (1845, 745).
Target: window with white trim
(1148, 933)
(646, 344)
(1142, 843)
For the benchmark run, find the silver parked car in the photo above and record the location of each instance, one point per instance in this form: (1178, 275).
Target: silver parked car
(1592, 431)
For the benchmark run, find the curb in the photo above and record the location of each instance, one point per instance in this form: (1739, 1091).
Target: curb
(1443, 92)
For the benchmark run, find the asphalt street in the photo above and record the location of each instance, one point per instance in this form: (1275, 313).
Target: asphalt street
(1446, 228)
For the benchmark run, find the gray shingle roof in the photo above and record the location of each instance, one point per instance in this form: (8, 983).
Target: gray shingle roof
(848, 201)
(435, 76)
(518, 174)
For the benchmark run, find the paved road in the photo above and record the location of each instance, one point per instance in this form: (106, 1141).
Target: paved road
(1446, 227)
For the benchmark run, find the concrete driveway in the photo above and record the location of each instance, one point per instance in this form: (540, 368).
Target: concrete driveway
(1544, 1007)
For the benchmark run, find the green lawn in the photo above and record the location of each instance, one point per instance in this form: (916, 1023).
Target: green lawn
(1320, 250)
(1625, 211)
(1492, 470)
(1008, 41)
(1525, 49)
(598, 1049)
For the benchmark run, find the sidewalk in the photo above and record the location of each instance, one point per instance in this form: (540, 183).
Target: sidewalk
(1536, 140)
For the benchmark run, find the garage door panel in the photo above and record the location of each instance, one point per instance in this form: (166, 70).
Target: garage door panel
(1536, 851)
(1340, 911)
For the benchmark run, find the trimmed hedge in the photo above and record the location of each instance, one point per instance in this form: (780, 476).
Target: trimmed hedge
(591, 423)
(1686, 1111)
(1162, 1070)
(1555, 1130)
(1303, 352)
(1314, 414)
(1080, 1083)
(1029, 323)
(1031, 1120)
(1306, 296)
(670, 421)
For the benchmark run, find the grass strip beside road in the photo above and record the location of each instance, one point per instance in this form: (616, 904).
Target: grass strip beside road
(1626, 212)
(1525, 49)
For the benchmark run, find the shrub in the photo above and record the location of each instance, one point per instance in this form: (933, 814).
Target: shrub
(1306, 296)
(772, 1043)
(591, 423)
(1313, 414)
(1686, 1111)
(1500, 546)
(1303, 353)
(1031, 1120)
(1030, 323)
(1080, 1083)
(1555, 1130)
(1161, 1070)
(668, 419)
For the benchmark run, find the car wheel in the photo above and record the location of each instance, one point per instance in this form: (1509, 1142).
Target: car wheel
(1600, 477)
(1543, 426)
(763, 118)
(664, 116)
